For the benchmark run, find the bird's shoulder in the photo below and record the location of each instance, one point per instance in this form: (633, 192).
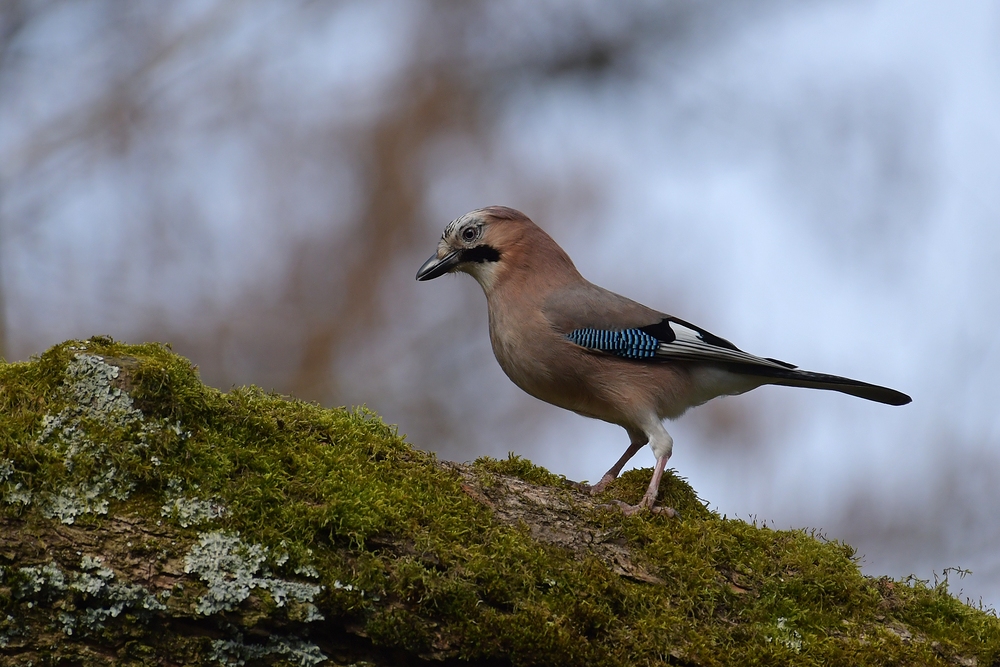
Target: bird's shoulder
(586, 306)
(604, 322)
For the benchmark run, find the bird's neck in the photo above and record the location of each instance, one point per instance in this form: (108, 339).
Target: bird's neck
(527, 274)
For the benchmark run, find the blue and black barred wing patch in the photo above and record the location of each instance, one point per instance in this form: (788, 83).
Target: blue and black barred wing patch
(670, 339)
(630, 343)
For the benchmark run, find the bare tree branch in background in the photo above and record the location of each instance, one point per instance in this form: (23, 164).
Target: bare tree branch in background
(185, 76)
(432, 102)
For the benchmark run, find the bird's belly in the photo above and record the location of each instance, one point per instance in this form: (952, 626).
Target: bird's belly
(614, 390)
(548, 377)
(575, 395)
(708, 382)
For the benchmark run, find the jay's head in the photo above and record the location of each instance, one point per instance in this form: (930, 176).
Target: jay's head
(481, 243)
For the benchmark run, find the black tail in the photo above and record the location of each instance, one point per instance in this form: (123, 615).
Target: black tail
(793, 377)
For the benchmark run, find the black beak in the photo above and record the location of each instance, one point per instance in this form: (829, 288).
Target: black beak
(435, 267)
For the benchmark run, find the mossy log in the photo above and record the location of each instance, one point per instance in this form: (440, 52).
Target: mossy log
(148, 519)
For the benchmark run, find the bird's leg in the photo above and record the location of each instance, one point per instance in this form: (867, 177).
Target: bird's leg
(663, 446)
(649, 498)
(638, 441)
(612, 474)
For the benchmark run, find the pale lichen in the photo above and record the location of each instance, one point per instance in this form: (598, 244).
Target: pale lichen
(72, 501)
(92, 402)
(94, 576)
(232, 569)
(307, 571)
(43, 582)
(9, 629)
(99, 595)
(92, 399)
(786, 635)
(189, 510)
(18, 494)
(14, 493)
(234, 653)
(90, 390)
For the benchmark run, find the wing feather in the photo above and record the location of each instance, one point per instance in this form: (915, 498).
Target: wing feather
(695, 344)
(606, 323)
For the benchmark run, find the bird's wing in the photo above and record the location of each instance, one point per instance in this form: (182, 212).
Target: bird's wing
(682, 340)
(605, 322)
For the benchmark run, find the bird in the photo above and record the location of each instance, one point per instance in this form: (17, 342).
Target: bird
(568, 342)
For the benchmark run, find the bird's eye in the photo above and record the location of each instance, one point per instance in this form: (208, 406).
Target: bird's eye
(469, 234)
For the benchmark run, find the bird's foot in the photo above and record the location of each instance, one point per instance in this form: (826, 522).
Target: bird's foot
(629, 510)
(602, 485)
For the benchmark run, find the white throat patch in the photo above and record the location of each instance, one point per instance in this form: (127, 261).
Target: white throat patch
(485, 273)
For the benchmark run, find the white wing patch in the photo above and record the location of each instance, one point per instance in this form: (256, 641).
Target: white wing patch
(689, 344)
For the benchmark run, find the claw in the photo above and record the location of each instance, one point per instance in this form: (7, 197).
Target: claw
(602, 485)
(630, 510)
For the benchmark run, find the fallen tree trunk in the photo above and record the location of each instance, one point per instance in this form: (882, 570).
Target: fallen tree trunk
(146, 518)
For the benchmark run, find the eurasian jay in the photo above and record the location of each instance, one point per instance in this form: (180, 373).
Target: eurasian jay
(571, 343)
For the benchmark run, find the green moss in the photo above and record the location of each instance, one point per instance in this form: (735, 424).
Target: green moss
(403, 551)
(675, 492)
(521, 468)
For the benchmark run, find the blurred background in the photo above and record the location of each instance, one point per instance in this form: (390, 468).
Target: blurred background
(257, 183)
